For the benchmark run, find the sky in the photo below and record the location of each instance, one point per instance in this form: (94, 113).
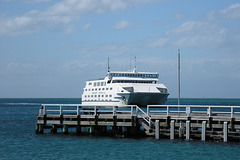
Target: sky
(49, 48)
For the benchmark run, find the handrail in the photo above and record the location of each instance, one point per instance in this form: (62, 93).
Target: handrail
(188, 109)
(81, 109)
(147, 115)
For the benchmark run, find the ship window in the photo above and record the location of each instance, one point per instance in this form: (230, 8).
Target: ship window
(110, 88)
(88, 95)
(110, 95)
(94, 84)
(91, 95)
(95, 96)
(102, 83)
(102, 95)
(98, 95)
(99, 89)
(106, 88)
(98, 83)
(106, 95)
(103, 89)
(90, 83)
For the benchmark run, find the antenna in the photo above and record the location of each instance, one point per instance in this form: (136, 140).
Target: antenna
(178, 80)
(130, 63)
(135, 67)
(108, 65)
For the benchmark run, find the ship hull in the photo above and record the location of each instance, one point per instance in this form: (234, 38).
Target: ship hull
(139, 99)
(144, 99)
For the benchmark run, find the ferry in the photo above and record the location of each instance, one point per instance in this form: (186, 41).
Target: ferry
(125, 88)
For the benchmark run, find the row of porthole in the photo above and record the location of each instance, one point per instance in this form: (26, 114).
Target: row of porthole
(97, 100)
(95, 89)
(88, 96)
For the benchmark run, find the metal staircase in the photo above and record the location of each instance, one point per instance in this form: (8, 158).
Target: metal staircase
(145, 121)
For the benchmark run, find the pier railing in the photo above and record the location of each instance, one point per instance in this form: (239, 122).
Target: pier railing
(79, 109)
(187, 110)
(84, 109)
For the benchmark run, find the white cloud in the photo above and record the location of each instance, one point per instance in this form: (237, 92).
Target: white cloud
(36, 1)
(66, 11)
(86, 26)
(197, 34)
(212, 31)
(29, 1)
(114, 48)
(158, 43)
(66, 29)
(179, 16)
(232, 11)
(121, 24)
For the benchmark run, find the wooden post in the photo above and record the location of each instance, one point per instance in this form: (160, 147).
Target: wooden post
(157, 129)
(36, 128)
(54, 128)
(91, 129)
(96, 120)
(210, 122)
(232, 124)
(181, 130)
(168, 121)
(45, 119)
(78, 127)
(225, 131)
(187, 130)
(203, 131)
(41, 129)
(36, 125)
(188, 111)
(172, 128)
(65, 129)
(133, 121)
(114, 128)
(61, 118)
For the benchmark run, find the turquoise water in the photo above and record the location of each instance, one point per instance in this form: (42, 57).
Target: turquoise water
(19, 141)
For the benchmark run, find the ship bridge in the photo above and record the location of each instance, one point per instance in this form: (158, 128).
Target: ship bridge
(134, 74)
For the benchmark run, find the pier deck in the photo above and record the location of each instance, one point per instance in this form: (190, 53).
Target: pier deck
(173, 122)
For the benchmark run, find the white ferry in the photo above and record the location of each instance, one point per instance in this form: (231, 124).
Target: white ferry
(125, 88)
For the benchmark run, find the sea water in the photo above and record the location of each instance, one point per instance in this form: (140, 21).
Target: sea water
(19, 141)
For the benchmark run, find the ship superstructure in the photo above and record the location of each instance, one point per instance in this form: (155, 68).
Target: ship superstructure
(125, 88)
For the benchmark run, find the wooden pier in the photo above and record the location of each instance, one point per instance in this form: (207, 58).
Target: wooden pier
(221, 123)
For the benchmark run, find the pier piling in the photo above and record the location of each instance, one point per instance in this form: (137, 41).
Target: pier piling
(157, 129)
(172, 129)
(225, 131)
(65, 129)
(203, 130)
(187, 130)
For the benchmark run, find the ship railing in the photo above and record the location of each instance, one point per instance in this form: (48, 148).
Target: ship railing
(187, 110)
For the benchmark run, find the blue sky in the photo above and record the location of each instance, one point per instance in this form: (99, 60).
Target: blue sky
(50, 48)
